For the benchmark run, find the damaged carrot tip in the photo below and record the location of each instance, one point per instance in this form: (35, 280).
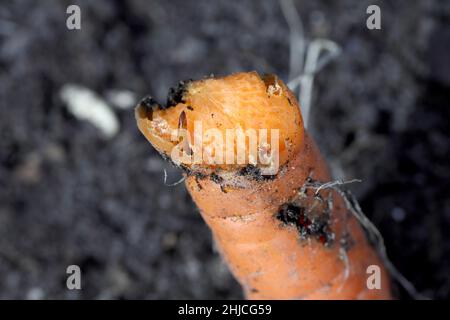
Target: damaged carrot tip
(249, 167)
(227, 124)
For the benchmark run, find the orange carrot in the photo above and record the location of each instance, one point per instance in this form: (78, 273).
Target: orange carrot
(282, 237)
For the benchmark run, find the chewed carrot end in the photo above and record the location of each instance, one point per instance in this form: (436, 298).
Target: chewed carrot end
(211, 123)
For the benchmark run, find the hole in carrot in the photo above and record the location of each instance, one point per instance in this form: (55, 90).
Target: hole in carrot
(309, 223)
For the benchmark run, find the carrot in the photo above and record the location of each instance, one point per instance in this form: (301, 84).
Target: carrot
(282, 236)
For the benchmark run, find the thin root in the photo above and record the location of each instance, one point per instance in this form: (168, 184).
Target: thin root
(172, 184)
(373, 233)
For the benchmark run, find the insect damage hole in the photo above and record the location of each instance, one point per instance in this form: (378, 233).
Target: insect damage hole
(309, 223)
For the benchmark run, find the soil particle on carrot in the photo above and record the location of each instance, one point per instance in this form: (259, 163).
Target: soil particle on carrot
(254, 173)
(216, 178)
(199, 186)
(149, 104)
(219, 180)
(176, 94)
(198, 175)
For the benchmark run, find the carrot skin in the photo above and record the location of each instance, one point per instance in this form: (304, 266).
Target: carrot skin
(270, 260)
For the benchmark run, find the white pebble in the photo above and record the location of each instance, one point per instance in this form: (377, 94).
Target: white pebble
(35, 293)
(398, 214)
(122, 99)
(85, 104)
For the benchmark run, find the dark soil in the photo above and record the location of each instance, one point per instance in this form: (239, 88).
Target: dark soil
(68, 196)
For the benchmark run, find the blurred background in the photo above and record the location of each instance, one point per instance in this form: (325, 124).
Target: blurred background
(76, 190)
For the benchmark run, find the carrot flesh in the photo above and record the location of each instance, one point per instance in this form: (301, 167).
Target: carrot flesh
(269, 257)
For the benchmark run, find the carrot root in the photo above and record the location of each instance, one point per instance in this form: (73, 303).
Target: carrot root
(282, 238)
(270, 258)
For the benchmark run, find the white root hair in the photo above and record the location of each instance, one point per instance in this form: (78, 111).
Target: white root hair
(305, 59)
